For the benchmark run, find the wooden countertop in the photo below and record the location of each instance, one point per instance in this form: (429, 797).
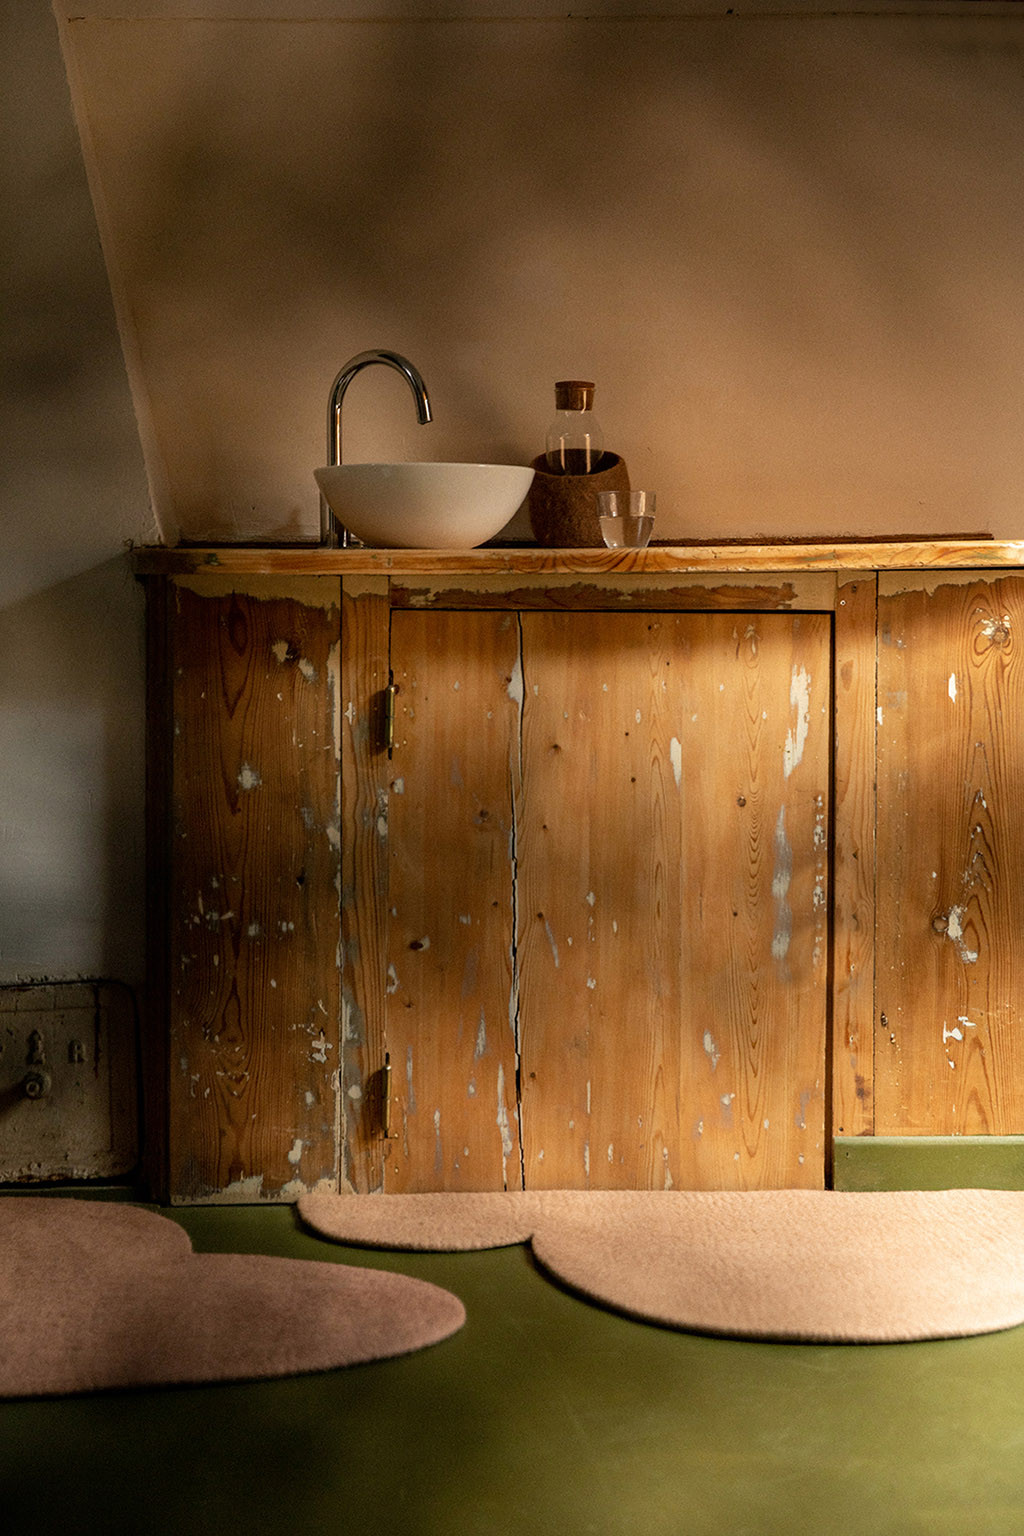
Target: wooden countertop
(311, 560)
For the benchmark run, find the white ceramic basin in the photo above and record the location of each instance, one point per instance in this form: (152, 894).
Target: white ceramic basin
(424, 506)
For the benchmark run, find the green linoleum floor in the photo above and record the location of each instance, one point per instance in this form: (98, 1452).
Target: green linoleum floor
(544, 1415)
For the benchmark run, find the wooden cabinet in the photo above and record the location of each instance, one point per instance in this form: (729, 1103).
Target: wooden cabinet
(598, 889)
(601, 906)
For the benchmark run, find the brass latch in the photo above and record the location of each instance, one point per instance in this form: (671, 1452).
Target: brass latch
(389, 713)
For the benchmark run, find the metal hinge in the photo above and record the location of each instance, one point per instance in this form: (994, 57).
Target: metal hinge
(385, 1093)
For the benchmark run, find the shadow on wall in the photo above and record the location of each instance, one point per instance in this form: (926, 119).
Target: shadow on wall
(72, 716)
(785, 247)
(72, 482)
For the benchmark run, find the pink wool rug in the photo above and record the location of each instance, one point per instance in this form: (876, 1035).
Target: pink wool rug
(96, 1295)
(797, 1265)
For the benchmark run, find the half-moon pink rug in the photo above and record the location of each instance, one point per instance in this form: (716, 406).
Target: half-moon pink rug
(96, 1295)
(799, 1265)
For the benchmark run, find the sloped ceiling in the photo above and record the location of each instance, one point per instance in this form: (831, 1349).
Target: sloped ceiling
(788, 249)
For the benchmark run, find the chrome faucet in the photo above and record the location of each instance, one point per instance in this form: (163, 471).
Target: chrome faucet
(328, 527)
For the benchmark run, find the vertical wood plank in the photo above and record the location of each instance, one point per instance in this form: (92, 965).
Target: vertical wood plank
(154, 1031)
(853, 1033)
(451, 975)
(254, 1001)
(600, 821)
(674, 858)
(950, 1046)
(365, 620)
(756, 940)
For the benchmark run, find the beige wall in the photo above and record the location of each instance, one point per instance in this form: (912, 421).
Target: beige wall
(787, 247)
(72, 490)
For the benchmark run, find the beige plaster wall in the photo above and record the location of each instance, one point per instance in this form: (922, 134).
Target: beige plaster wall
(72, 491)
(786, 246)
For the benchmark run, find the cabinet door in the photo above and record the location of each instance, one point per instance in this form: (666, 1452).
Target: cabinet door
(950, 941)
(673, 916)
(609, 890)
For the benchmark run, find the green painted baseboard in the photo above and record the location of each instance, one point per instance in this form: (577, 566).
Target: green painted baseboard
(929, 1162)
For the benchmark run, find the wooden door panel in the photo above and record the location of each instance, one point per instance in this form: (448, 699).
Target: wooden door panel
(673, 899)
(950, 941)
(253, 1011)
(451, 1000)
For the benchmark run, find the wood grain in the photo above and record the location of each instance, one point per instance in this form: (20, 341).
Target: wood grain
(950, 942)
(673, 871)
(969, 552)
(154, 1039)
(452, 1003)
(618, 593)
(364, 767)
(852, 1062)
(254, 1003)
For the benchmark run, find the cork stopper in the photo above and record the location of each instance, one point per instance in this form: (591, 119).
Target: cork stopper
(574, 395)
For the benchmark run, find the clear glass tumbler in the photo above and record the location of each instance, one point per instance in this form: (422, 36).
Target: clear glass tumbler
(627, 518)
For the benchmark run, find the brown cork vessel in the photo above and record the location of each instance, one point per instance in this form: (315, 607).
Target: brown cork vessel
(563, 508)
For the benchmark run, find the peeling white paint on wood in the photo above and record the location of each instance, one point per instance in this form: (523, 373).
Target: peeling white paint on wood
(516, 686)
(996, 628)
(551, 941)
(502, 1118)
(796, 736)
(955, 932)
(781, 879)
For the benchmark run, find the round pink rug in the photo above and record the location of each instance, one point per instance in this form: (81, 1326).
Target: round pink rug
(97, 1295)
(800, 1265)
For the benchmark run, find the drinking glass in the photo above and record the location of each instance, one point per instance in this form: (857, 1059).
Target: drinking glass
(627, 518)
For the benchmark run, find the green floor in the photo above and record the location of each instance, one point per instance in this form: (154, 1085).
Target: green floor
(545, 1416)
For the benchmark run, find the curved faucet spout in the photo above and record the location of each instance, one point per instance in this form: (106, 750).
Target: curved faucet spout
(356, 365)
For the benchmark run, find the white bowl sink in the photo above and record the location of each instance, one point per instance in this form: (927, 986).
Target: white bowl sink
(424, 506)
